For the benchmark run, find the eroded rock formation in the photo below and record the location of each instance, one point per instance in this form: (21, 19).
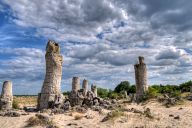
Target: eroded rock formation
(75, 84)
(94, 90)
(75, 96)
(82, 96)
(140, 78)
(50, 92)
(6, 96)
(85, 87)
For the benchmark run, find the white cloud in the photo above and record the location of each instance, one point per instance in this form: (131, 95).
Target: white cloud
(159, 31)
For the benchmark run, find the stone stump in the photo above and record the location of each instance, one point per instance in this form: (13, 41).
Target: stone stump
(6, 98)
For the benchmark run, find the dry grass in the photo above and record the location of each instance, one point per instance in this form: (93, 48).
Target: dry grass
(26, 100)
(113, 115)
(78, 116)
(39, 121)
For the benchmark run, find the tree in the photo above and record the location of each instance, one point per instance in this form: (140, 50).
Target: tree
(123, 86)
(132, 89)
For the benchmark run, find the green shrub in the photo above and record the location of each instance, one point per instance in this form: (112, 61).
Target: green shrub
(103, 93)
(66, 93)
(152, 92)
(15, 104)
(175, 94)
(113, 95)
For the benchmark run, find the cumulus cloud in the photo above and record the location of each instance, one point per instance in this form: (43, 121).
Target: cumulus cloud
(101, 40)
(83, 17)
(171, 53)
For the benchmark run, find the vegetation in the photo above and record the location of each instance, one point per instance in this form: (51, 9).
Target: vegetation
(66, 93)
(123, 86)
(113, 115)
(153, 91)
(36, 121)
(103, 93)
(185, 87)
(25, 100)
(15, 104)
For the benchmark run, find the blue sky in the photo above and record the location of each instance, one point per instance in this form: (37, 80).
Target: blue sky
(100, 40)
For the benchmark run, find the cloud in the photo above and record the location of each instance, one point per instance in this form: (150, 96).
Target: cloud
(84, 17)
(85, 51)
(100, 40)
(171, 53)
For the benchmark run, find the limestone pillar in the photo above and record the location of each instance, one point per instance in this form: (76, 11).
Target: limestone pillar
(140, 78)
(85, 87)
(6, 96)
(94, 90)
(51, 86)
(75, 84)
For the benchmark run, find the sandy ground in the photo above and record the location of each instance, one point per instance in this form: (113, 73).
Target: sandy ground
(162, 118)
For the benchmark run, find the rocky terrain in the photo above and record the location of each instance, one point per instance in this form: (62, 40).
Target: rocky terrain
(151, 114)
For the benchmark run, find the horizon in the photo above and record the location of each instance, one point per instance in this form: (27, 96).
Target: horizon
(100, 41)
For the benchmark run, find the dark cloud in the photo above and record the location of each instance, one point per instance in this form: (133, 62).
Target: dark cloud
(163, 13)
(171, 53)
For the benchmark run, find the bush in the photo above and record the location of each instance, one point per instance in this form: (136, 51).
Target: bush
(175, 94)
(103, 93)
(113, 115)
(113, 95)
(67, 93)
(15, 104)
(152, 92)
(39, 120)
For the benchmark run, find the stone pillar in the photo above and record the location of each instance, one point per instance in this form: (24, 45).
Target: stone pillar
(75, 84)
(51, 86)
(140, 78)
(73, 97)
(6, 96)
(94, 90)
(85, 87)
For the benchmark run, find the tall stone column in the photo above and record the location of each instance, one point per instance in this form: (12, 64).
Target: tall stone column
(6, 96)
(140, 78)
(75, 84)
(85, 87)
(94, 90)
(50, 91)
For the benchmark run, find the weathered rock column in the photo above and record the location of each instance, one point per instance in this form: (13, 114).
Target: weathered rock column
(50, 91)
(140, 78)
(73, 97)
(6, 96)
(75, 84)
(85, 87)
(94, 90)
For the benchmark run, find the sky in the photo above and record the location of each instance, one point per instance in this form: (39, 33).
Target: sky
(100, 41)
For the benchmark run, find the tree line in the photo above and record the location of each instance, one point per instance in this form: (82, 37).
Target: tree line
(153, 90)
